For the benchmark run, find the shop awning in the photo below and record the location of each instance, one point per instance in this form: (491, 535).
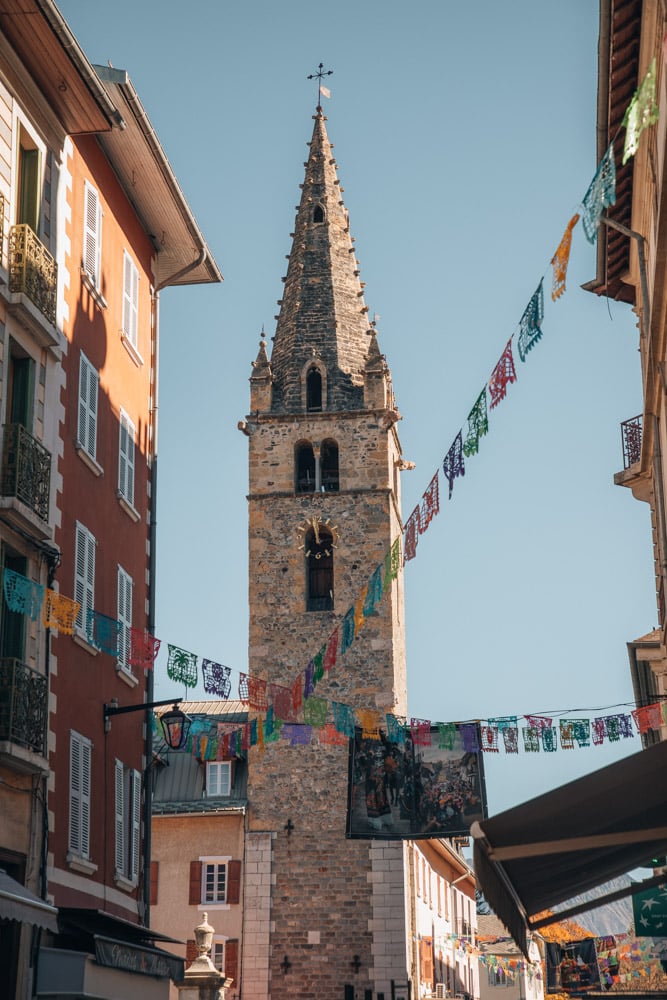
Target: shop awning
(19, 903)
(574, 838)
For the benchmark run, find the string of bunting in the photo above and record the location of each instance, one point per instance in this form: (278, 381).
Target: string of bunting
(140, 649)
(621, 958)
(601, 193)
(530, 733)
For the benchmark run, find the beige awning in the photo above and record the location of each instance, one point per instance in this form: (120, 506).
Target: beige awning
(574, 838)
(19, 903)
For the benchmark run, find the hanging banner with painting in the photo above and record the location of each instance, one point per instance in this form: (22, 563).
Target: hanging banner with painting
(422, 786)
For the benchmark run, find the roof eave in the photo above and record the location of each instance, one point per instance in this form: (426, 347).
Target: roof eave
(66, 79)
(183, 255)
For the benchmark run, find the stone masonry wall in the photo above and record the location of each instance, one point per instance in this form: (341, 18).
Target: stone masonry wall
(332, 898)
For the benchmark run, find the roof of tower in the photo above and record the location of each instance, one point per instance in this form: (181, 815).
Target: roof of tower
(323, 318)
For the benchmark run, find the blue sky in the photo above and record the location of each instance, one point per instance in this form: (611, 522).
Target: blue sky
(465, 140)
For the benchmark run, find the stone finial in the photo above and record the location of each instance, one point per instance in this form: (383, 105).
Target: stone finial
(204, 937)
(202, 980)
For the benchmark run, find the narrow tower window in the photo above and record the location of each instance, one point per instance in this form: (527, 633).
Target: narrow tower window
(313, 391)
(305, 468)
(329, 463)
(319, 570)
(318, 214)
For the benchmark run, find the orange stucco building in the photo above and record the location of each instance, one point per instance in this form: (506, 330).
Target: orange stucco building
(85, 186)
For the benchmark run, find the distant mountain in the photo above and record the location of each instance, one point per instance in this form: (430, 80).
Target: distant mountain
(610, 918)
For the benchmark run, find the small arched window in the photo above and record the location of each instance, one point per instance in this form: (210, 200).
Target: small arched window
(319, 570)
(318, 214)
(305, 467)
(314, 391)
(329, 466)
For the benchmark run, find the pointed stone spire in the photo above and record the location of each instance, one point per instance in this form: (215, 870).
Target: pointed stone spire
(323, 319)
(260, 380)
(377, 377)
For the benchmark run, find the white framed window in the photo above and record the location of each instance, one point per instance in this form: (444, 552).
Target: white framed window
(92, 235)
(84, 573)
(79, 795)
(89, 381)
(214, 881)
(126, 458)
(125, 588)
(128, 822)
(218, 952)
(130, 299)
(218, 778)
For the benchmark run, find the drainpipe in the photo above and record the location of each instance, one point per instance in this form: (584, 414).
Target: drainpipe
(152, 564)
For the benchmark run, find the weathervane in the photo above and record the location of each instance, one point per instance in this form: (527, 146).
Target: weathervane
(321, 72)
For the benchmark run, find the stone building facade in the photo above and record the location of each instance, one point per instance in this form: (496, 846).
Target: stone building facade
(326, 917)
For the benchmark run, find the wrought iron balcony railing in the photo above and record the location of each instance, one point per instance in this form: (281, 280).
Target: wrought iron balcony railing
(33, 270)
(631, 435)
(23, 706)
(26, 470)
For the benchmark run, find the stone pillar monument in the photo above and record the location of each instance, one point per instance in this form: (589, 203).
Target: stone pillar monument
(202, 980)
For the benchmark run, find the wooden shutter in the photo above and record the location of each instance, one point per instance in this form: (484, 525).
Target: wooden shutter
(79, 796)
(75, 794)
(195, 883)
(125, 587)
(92, 233)
(130, 299)
(233, 881)
(88, 392)
(86, 748)
(84, 572)
(120, 850)
(190, 951)
(232, 958)
(136, 824)
(126, 458)
(154, 875)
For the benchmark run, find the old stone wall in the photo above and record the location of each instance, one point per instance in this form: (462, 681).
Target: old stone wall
(331, 898)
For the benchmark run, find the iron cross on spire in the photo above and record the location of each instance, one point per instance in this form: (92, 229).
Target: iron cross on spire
(321, 72)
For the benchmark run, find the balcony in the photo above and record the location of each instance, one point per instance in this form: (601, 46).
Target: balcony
(25, 482)
(632, 475)
(23, 714)
(33, 285)
(631, 436)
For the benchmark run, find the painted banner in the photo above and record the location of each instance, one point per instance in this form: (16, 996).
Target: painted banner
(414, 788)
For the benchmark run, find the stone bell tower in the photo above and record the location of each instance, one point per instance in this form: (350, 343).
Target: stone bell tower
(324, 917)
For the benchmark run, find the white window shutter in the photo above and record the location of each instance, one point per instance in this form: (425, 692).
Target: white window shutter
(130, 299)
(136, 824)
(82, 428)
(84, 572)
(92, 234)
(120, 827)
(85, 798)
(75, 795)
(126, 458)
(88, 392)
(79, 796)
(125, 589)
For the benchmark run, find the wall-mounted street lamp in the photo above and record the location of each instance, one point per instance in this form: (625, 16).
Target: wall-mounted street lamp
(175, 724)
